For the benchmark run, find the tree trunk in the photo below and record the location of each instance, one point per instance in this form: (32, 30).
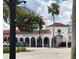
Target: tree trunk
(73, 51)
(53, 30)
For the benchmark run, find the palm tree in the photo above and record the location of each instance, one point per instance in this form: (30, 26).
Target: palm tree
(41, 23)
(54, 10)
(73, 55)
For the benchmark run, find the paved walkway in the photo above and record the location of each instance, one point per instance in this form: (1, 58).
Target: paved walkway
(43, 53)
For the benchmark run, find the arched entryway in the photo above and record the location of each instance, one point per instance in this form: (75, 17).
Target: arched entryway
(26, 41)
(53, 42)
(17, 43)
(4, 39)
(33, 42)
(57, 41)
(39, 42)
(16, 40)
(46, 42)
(21, 39)
(21, 43)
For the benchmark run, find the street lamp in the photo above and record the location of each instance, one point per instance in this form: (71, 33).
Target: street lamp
(12, 7)
(18, 2)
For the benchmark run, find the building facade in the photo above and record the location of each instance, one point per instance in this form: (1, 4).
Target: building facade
(61, 37)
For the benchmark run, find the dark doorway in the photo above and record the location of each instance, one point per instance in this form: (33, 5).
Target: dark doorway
(56, 41)
(39, 42)
(53, 42)
(32, 42)
(21, 40)
(27, 41)
(62, 44)
(21, 43)
(17, 43)
(46, 42)
(69, 44)
(5, 39)
(16, 40)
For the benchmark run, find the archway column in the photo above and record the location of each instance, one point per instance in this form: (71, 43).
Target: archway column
(66, 42)
(18, 39)
(43, 42)
(36, 43)
(29, 42)
(50, 43)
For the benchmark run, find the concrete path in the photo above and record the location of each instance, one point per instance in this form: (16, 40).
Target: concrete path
(43, 53)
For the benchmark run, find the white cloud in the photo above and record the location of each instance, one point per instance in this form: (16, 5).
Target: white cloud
(5, 25)
(40, 7)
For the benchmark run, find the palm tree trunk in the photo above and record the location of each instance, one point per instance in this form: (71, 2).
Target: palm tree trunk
(53, 30)
(73, 51)
(39, 30)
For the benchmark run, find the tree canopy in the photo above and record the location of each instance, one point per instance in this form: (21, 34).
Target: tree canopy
(53, 9)
(26, 20)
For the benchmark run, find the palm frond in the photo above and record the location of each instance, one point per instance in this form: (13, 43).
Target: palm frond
(50, 9)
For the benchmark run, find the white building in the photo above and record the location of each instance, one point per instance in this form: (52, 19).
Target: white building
(46, 39)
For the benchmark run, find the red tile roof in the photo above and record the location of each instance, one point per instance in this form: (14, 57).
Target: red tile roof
(58, 25)
(8, 31)
(44, 31)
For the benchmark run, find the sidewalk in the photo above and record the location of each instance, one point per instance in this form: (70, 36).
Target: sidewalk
(43, 53)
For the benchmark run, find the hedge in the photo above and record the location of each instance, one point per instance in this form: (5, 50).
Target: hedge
(18, 49)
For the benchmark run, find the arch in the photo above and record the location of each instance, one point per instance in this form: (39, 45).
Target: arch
(39, 42)
(33, 42)
(27, 41)
(57, 41)
(21, 39)
(16, 39)
(53, 42)
(4, 39)
(46, 42)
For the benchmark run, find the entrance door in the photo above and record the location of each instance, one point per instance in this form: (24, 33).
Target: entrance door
(32, 42)
(27, 41)
(39, 42)
(46, 42)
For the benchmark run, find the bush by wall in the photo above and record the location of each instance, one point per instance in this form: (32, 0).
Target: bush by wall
(18, 49)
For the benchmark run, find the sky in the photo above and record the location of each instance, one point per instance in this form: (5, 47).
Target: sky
(41, 7)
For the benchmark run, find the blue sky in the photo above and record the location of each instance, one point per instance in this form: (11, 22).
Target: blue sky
(40, 7)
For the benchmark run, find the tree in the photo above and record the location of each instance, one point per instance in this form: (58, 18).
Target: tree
(73, 55)
(40, 23)
(5, 10)
(26, 20)
(54, 10)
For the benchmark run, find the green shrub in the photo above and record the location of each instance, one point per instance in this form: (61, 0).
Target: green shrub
(5, 49)
(18, 49)
(23, 49)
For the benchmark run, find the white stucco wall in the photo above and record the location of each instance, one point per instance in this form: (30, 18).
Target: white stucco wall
(64, 32)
